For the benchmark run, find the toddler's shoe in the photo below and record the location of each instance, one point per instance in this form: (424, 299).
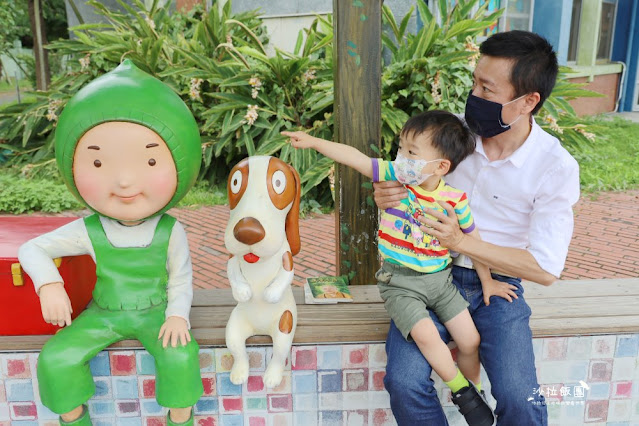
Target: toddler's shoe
(473, 406)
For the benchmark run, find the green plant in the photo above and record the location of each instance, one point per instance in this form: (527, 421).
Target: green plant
(204, 195)
(243, 97)
(558, 117)
(245, 102)
(610, 164)
(308, 207)
(432, 68)
(9, 85)
(154, 38)
(21, 195)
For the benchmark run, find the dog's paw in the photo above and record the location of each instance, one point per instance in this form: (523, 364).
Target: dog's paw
(241, 292)
(240, 371)
(273, 375)
(272, 294)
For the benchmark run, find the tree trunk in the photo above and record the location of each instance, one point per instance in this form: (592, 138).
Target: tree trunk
(357, 58)
(42, 71)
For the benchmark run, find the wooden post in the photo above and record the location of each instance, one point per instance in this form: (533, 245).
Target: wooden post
(38, 29)
(357, 59)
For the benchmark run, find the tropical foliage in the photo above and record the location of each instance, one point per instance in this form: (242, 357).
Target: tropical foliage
(243, 91)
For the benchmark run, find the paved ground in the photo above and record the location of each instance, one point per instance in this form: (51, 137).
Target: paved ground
(6, 97)
(632, 116)
(605, 242)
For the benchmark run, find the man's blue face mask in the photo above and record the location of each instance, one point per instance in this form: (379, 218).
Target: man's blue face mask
(484, 117)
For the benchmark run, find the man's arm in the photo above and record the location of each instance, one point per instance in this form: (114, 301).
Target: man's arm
(550, 231)
(516, 262)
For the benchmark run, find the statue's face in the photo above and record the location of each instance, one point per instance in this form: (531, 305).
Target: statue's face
(124, 171)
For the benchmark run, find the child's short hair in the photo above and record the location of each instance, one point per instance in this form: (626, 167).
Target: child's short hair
(448, 134)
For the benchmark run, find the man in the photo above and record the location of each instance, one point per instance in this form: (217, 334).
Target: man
(521, 185)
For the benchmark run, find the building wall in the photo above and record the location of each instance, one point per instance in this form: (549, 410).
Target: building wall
(552, 20)
(607, 85)
(285, 18)
(9, 67)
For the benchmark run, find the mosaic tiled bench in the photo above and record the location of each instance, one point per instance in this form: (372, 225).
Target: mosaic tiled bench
(586, 346)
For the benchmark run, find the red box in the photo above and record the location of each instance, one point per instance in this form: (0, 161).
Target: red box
(20, 312)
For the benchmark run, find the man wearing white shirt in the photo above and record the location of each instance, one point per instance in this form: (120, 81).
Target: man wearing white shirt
(522, 185)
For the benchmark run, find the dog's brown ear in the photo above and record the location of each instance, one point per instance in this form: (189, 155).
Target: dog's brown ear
(293, 217)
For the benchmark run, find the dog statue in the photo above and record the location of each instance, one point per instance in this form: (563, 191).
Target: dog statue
(262, 237)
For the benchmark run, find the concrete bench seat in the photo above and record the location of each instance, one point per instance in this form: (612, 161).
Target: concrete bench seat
(567, 308)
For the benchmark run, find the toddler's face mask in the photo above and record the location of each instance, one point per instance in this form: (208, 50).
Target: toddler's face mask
(409, 171)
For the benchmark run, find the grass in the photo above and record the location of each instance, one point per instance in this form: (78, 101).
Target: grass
(10, 86)
(20, 195)
(204, 195)
(610, 164)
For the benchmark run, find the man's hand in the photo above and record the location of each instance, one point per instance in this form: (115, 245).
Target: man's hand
(388, 194)
(55, 304)
(175, 328)
(493, 287)
(446, 228)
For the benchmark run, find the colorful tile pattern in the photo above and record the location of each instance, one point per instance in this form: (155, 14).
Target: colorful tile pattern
(586, 380)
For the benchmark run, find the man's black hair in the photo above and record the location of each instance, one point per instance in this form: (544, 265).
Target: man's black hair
(534, 62)
(447, 133)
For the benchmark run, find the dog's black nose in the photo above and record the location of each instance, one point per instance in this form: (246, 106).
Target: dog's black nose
(249, 231)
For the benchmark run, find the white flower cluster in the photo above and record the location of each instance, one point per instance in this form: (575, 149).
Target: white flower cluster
(251, 114)
(52, 109)
(308, 76)
(552, 122)
(194, 89)
(26, 170)
(85, 62)
(256, 85)
(434, 91)
(588, 135)
(472, 47)
(150, 21)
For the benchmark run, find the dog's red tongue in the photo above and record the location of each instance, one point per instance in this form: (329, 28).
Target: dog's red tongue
(251, 258)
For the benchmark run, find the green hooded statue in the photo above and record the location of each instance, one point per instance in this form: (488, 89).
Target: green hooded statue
(129, 94)
(129, 148)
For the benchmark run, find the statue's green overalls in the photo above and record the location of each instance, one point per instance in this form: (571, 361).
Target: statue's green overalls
(129, 302)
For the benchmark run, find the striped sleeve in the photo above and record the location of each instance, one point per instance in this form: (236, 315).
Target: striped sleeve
(465, 218)
(382, 170)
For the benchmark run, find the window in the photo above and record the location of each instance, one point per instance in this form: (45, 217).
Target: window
(517, 15)
(575, 20)
(606, 29)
